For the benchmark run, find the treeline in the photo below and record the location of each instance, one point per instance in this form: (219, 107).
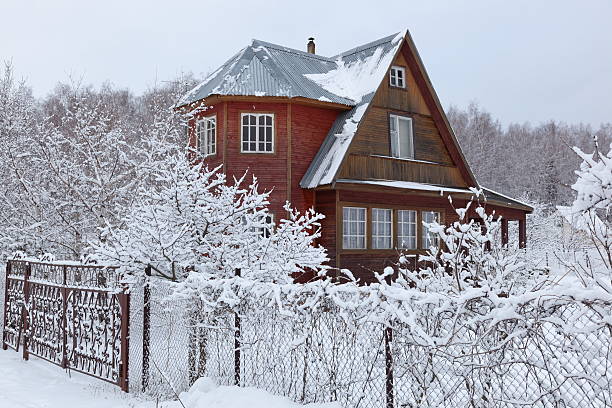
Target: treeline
(534, 162)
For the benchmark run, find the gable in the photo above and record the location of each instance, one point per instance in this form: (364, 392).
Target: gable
(369, 156)
(438, 157)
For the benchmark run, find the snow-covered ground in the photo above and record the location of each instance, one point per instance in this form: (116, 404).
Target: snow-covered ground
(38, 384)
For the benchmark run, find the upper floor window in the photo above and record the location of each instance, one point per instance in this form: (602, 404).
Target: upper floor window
(354, 228)
(406, 229)
(430, 238)
(402, 143)
(397, 77)
(257, 133)
(382, 230)
(207, 135)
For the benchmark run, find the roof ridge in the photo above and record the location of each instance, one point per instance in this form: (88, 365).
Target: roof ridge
(366, 46)
(283, 48)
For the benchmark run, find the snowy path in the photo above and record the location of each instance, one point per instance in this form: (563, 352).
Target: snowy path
(38, 384)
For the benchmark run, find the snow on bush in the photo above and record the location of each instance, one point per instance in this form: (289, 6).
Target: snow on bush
(196, 225)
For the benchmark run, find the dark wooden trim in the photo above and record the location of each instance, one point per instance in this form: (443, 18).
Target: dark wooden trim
(289, 118)
(213, 99)
(225, 135)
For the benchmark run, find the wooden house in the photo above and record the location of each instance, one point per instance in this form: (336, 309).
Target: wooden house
(360, 136)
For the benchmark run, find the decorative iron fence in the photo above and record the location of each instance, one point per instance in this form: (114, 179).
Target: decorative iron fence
(72, 315)
(319, 357)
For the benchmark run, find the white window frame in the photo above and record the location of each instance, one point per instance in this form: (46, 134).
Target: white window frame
(202, 132)
(406, 241)
(396, 80)
(376, 220)
(426, 235)
(347, 220)
(394, 137)
(257, 133)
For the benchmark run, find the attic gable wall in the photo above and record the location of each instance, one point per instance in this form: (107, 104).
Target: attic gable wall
(372, 139)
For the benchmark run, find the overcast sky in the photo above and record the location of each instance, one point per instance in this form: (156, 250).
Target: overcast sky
(521, 60)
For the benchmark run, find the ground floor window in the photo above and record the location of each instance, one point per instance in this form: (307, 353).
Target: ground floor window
(430, 238)
(406, 229)
(354, 228)
(382, 228)
(388, 228)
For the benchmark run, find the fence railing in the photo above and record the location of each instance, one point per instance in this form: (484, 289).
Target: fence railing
(72, 315)
(321, 357)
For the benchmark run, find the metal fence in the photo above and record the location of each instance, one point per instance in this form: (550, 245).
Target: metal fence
(72, 315)
(320, 357)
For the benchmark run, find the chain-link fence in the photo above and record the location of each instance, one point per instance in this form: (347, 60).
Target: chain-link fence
(549, 356)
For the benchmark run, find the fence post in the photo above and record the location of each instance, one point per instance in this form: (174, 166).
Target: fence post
(6, 278)
(124, 304)
(237, 344)
(146, 329)
(25, 318)
(64, 292)
(389, 367)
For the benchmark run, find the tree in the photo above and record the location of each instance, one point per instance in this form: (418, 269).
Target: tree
(195, 225)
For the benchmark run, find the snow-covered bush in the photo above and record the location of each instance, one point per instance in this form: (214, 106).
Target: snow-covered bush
(195, 226)
(591, 213)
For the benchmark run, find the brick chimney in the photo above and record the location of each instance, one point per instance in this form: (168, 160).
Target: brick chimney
(311, 46)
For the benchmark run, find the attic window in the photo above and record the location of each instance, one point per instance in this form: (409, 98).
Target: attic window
(400, 132)
(397, 77)
(257, 133)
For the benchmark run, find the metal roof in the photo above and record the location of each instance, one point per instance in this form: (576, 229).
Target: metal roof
(265, 69)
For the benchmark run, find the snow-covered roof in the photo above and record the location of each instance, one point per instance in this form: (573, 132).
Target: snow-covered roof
(408, 185)
(265, 69)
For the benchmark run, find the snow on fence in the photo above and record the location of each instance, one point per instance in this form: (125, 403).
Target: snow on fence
(72, 315)
(554, 352)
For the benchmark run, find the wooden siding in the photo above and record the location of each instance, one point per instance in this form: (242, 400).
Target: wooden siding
(363, 262)
(299, 131)
(407, 99)
(359, 167)
(372, 139)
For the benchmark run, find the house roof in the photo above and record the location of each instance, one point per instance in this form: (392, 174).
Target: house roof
(265, 69)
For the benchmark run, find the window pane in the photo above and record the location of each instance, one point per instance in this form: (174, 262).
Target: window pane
(354, 227)
(393, 136)
(269, 120)
(381, 228)
(429, 239)
(406, 224)
(405, 138)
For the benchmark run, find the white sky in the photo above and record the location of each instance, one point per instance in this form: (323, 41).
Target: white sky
(521, 60)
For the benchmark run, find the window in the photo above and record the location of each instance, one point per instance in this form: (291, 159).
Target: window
(406, 229)
(257, 133)
(263, 228)
(382, 230)
(429, 238)
(353, 228)
(397, 77)
(207, 136)
(400, 129)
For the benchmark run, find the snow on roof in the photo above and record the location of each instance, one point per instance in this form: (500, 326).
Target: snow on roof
(497, 196)
(409, 185)
(357, 75)
(268, 69)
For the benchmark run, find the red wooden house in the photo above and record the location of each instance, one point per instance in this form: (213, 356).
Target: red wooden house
(360, 136)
